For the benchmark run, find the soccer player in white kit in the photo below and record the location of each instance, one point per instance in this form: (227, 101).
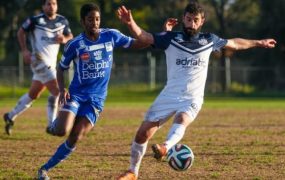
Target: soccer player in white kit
(187, 57)
(46, 32)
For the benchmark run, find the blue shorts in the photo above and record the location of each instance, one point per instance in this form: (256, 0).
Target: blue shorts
(84, 107)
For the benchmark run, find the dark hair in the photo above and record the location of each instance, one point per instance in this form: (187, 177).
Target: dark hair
(86, 8)
(194, 8)
(44, 2)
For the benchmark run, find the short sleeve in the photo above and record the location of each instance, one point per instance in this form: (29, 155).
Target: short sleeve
(28, 24)
(218, 42)
(68, 55)
(66, 30)
(121, 40)
(162, 39)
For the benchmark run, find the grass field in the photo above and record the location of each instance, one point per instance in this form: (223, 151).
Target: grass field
(231, 139)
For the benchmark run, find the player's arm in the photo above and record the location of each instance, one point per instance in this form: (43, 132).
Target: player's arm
(68, 55)
(22, 37)
(126, 17)
(62, 39)
(137, 44)
(241, 44)
(60, 80)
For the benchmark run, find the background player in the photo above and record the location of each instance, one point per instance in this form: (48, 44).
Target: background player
(46, 32)
(187, 55)
(92, 56)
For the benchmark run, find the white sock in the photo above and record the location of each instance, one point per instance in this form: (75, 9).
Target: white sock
(23, 104)
(137, 153)
(175, 134)
(52, 108)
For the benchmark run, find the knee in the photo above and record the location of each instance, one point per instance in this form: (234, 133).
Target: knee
(183, 118)
(61, 132)
(55, 92)
(34, 96)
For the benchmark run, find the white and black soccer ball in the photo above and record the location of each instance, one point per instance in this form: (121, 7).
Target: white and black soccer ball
(180, 157)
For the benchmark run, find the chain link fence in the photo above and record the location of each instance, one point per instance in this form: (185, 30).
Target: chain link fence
(255, 78)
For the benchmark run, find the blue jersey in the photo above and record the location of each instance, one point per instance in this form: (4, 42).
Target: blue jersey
(187, 61)
(42, 32)
(92, 62)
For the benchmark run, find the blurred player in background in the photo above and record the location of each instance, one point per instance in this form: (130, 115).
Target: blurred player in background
(46, 32)
(92, 55)
(187, 56)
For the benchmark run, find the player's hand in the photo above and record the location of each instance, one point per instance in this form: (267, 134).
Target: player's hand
(124, 15)
(169, 24)
(267, 43)
(64, 95)
(60, 39)
(27, 56)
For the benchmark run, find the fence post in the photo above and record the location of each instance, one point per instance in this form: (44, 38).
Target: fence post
(228, 73)
(152, 68)
(21, 69)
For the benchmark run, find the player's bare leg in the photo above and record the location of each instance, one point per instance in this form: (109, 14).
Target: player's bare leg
(63, 124)
(81, 127)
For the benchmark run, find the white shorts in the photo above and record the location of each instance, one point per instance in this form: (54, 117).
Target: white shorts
(42, 72)
(165, 106)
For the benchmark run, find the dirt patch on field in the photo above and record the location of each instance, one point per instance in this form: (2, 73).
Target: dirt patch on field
(227, 143)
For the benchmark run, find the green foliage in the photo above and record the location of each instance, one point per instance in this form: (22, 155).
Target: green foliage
(241, 88)
(240, 21)
(15, 92)
(132, 93)
(242, 18)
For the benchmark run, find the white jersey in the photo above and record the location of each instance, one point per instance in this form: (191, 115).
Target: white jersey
(42, 33)
(187, 62)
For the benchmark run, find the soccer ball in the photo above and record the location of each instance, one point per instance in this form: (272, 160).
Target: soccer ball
(180, 157)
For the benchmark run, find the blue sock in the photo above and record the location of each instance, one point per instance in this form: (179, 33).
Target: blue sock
(63, 151)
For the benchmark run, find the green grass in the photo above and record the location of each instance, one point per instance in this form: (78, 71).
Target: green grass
(116, 100)
(141, 95)
(236, 102)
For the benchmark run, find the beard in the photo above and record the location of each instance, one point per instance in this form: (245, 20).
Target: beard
(50, 13)
(190, 31)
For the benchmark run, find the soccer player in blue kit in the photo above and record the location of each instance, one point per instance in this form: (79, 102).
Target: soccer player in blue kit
(187, 57)
(92, 55)
(46, 32)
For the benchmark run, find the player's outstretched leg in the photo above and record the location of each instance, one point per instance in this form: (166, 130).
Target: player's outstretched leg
(23, 104)
(63, 151)
(8, 124)
(175, 134)
(159, 151)
(42, 174)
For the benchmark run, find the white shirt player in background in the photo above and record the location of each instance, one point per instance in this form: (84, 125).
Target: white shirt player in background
(187, 57)
(45, 32)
